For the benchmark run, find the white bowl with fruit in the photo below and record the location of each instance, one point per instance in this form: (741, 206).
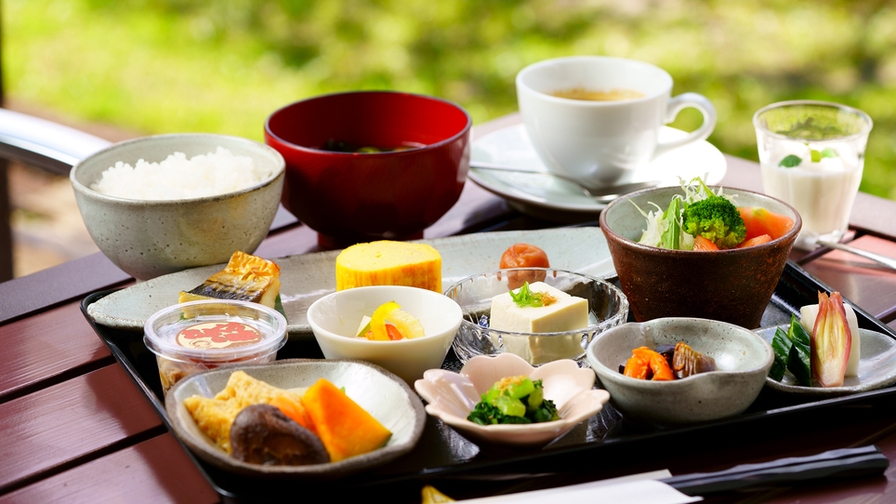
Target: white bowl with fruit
(341, 330)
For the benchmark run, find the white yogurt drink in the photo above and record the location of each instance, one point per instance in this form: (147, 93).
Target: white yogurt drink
(812, 156)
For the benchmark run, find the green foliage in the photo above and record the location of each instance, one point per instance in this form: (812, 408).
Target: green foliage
(194, 65)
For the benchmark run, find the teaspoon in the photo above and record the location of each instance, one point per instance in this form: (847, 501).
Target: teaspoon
(601, 195)
(886, 261)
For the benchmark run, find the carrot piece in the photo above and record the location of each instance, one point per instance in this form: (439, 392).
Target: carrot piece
(701, 243)
(294, 410)
(756, 240)
(659, 366)
(636, 367)
(760, 221)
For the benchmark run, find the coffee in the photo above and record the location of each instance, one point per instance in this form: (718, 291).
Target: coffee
(587, 94)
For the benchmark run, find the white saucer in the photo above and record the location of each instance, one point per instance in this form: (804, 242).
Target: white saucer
(544, 196)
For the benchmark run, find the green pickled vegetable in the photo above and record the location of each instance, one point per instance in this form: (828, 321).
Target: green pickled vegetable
(800, 355)
(781, 345)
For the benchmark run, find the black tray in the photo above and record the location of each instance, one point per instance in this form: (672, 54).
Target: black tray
(593, 450)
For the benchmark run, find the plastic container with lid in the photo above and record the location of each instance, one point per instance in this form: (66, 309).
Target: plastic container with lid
(199, 335)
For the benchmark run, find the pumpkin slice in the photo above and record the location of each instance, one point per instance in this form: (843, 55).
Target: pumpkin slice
(344, 427)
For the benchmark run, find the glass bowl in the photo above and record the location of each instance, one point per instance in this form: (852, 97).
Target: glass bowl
(607, 308)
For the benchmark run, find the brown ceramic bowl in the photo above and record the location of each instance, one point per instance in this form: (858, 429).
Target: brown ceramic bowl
(732, 285)
(351, 197)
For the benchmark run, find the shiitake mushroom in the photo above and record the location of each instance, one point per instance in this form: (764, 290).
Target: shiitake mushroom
(262, 434)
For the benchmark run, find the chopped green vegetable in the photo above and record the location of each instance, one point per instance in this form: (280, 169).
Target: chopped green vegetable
(524, 297)
(514, 400)
(791, 161)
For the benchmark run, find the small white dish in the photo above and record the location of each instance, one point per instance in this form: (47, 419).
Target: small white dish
(877, 367)
(306, 278)
(335, 319)
(452, 396)
(376, 390)
(544, 196)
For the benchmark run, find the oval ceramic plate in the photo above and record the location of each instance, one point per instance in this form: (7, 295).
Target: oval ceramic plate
(308, 277)
(547, 197)
(877, 367)
(452, 396)
(379, 392)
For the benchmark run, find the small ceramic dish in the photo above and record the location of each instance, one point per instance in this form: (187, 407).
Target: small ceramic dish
(733, 285)
(742, 362)
(379, 392)
(150, 238)
(877, 367)
(452, 396)
(336, 318)
(607, 307)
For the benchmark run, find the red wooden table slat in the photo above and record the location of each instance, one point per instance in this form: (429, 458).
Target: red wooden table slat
(44, 346)
(863, 281)
(156, 470)
(53, 426)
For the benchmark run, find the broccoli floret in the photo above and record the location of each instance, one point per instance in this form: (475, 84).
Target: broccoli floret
(717, 220)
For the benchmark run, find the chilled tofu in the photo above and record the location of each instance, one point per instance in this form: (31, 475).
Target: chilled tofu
(565, 313)
(809, 313)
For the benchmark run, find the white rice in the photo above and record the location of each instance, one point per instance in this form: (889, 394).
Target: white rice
(177, 177)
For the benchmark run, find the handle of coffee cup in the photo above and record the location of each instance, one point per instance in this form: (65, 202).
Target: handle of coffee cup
(682, 101)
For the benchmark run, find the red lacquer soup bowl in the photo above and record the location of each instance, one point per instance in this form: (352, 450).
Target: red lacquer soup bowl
(370, 165)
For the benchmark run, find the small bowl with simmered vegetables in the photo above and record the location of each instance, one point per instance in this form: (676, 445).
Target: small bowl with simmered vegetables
(503, 400)
(296, 419)
(406, 330)
(681, 370)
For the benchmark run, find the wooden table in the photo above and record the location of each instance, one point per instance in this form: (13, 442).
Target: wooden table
(76, 428)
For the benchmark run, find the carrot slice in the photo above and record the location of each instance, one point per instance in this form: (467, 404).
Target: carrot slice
(757, 240)
(636, 367)
(293, 410)
(760, 221)
(701, 243)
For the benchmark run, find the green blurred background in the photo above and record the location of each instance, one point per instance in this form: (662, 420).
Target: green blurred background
(157, 66)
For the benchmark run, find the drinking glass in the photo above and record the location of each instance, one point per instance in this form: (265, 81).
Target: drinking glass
(812, 154)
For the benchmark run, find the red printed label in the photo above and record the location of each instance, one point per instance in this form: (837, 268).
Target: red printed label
(218, 335)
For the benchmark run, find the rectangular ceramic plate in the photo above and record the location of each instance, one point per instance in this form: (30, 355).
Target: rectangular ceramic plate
(597, 448)
(308, 277)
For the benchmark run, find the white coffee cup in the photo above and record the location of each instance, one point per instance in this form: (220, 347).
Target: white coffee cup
(602, 143)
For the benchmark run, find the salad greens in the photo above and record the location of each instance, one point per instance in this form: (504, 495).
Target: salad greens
(697, 212)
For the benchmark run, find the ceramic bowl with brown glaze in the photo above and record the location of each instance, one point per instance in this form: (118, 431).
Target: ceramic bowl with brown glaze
(733, 285)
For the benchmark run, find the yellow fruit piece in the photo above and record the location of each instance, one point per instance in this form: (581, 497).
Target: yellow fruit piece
(407, 324)
(389, 263)
(344, 427)
(378, 320)
(245, 278)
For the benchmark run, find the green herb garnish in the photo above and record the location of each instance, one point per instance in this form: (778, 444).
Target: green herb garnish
(524, 297)
(791, 161)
